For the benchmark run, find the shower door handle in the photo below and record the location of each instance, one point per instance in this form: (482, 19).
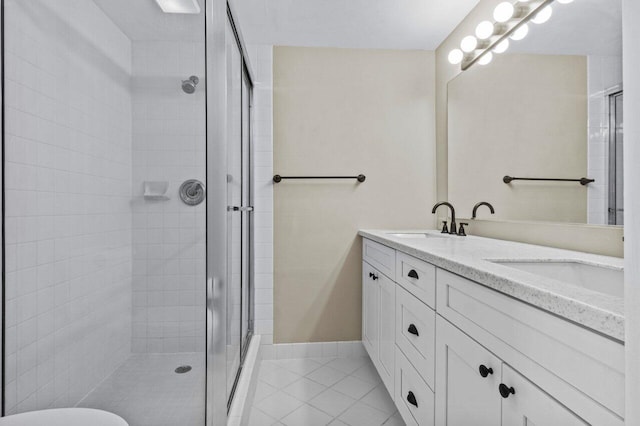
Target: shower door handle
(240, 209)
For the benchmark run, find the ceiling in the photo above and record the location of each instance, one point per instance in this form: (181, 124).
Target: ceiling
(584, 27)
(144, 20)
(384, 24)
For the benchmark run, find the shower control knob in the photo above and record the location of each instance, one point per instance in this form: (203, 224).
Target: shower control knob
(192, 192)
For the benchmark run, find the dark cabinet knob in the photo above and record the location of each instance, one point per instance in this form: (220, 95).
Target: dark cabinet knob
(373, 276)
(413, 274)
(485, 371)
(370, 274)
(411, 398)
(505, 390)
(413, 330)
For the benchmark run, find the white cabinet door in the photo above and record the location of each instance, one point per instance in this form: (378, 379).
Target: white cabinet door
(527, 405)
(467, 379)
(387, 316)
(370, 310)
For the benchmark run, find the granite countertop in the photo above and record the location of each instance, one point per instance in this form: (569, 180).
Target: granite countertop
(470, 257)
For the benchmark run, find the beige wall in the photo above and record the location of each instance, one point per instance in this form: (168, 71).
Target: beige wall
(563, 236)
(344, 111)
(524, 115)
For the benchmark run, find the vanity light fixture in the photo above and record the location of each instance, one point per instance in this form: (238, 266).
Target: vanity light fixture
(484, 30)
(469, 44)
(179, 6)
(511, 22)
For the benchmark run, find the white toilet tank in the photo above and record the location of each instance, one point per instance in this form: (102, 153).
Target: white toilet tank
(64, 417)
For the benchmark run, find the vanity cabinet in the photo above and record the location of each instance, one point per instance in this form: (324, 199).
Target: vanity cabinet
(468, 377)
(529, 405)
(476, 387)
(378, 322)
(370, 311)
(453, 352)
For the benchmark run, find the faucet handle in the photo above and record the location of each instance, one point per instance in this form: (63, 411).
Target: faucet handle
(445, 229)
(461, 229)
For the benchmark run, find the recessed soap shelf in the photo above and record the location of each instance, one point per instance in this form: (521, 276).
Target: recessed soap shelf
(156, 190)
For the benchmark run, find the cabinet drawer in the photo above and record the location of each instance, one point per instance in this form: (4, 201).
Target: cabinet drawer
(581, 369)
(418, 277)
(414, 398)
(415, 333)
(381, 257)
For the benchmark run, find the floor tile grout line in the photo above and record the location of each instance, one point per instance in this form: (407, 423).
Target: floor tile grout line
(307, 402)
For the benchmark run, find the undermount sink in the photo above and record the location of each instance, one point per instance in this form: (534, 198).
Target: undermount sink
(416, 235)
(603, 279)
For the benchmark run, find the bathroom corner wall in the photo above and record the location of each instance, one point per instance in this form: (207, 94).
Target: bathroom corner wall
(169, 144)
(592, 239)
(68, 193)
(261, 59)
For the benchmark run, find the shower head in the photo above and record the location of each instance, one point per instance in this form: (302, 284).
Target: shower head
(189, 86)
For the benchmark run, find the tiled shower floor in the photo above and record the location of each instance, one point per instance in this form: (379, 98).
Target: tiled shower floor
(146, 391)
(326, 391)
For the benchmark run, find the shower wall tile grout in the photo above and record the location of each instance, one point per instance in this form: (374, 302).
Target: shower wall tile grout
(168, 236)
(68, 191)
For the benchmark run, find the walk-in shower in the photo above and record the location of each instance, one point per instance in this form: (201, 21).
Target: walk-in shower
(127, 277)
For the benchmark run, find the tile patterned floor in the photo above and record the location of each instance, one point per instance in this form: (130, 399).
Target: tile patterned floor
(146, 391)
(325, 391)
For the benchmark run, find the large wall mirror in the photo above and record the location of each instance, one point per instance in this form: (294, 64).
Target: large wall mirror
(550, 107)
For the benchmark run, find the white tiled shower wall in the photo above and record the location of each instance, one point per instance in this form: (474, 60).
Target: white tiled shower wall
(68, 192)
(604, 74)
(261, 58)
(169, 144)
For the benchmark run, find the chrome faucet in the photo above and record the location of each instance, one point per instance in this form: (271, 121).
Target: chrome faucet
(453, 230)
(482, 203)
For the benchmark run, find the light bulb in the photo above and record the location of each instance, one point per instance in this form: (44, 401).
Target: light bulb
(455, 56)
(520, 33)
(542, 16)
(484, 30)
(565, 1)
(469, 44)
(486, 58)
(502, 46)
(503, 12)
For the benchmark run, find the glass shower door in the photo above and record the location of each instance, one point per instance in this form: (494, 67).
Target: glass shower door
(616, 156)
(105, 292)
(234, 218)
(247, 216)
(239, 210)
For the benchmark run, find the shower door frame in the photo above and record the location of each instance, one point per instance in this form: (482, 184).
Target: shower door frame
(218, 13)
